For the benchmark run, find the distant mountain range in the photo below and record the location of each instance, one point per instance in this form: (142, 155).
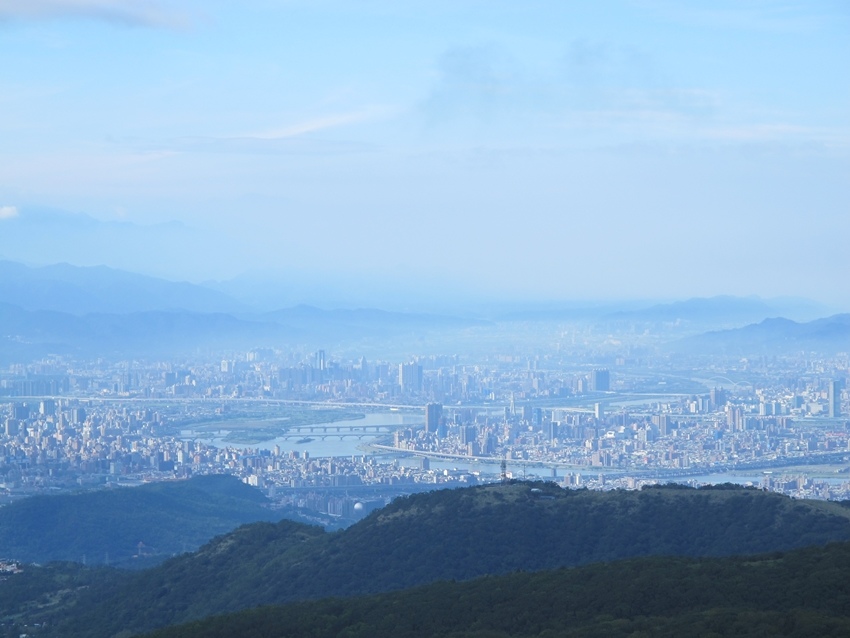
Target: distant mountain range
(776, 336)
(39, 234)
(27, 334)
(721, 310)
(698, 312)
(99, 311)
(34, 333)
(98, 289)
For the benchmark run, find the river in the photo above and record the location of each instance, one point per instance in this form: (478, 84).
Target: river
(317, 447)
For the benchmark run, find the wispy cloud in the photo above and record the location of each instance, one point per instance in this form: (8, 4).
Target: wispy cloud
(314, 125)
(766, 132)
(295, 145)
(128, 13)
(296, 138)
(8, 212)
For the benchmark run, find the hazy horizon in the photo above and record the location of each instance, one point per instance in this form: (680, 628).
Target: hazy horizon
(71, 285)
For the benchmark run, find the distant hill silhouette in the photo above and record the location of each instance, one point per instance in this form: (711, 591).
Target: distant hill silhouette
(776, 335)
(33, 333)
(109, 524)
(722, 311)
(99, 289)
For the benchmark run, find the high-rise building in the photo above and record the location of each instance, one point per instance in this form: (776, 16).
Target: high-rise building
(834, 398)
(47, 407)
(717, 398)
(11, 427)
(433, 412)
(410, 377)
(600, 381)
(467, 434)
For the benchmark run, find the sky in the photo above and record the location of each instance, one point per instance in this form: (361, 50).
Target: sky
(553, 150)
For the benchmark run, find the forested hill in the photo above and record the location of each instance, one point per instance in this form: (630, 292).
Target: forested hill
(801, 593)
(453, 534)
(128, 525)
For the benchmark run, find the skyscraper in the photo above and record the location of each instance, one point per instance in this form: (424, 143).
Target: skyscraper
(600, 381)
(433, 412)
(834, 398)
(410, 377)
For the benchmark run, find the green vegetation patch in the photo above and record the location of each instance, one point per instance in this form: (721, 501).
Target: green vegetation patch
(460, 535)
(801, 593)
(128, 525)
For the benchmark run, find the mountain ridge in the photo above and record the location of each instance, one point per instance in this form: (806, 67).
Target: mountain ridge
(158, 332)
(81, 290)
(774, 594)
(106, 525)
(775, 335)
(455, 534)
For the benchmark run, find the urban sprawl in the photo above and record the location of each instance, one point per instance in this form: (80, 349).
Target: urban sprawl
(777, 423)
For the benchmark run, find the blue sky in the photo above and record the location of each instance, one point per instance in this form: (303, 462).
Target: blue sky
(545, 150)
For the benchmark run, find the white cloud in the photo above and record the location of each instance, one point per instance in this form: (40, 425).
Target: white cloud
(131, 13)
(319, 124)
(254, 145)
(295, 138)
(8, 212)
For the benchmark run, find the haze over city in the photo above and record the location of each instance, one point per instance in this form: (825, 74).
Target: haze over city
(532, 151)
(377, 319)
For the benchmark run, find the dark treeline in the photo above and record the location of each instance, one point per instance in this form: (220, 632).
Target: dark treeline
(451, 534)
(801, 593)
(128, 527)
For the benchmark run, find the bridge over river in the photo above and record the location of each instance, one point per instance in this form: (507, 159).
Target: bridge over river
(268, 433)
(343, 430)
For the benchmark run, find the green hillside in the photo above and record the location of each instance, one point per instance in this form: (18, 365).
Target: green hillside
(801, 593)
(108, 525)
(452, 534)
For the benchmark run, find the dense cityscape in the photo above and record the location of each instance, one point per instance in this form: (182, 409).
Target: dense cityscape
(328, 435)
